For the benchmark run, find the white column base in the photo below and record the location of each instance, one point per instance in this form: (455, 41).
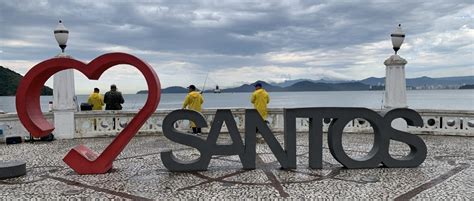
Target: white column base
(64, 125)
(395, 83)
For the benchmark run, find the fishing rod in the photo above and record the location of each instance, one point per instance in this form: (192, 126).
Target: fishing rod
(204, 85)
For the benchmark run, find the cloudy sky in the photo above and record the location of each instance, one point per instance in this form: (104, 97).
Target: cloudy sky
(242, 41)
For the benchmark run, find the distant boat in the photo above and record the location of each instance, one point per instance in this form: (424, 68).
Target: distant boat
(217, 90)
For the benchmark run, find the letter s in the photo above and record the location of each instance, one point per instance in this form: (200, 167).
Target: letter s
(169, 160)
(417, 147)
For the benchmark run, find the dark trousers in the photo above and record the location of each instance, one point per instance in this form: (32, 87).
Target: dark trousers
(196, 130)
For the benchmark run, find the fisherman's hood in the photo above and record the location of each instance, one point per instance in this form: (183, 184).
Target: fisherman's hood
(259, 91)
(95, 95)
(194, 94)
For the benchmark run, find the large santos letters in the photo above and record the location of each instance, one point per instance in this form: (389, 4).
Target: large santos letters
(378, 155)
(85, 161)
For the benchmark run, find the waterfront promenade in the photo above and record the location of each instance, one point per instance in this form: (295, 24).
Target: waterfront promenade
(139, 174)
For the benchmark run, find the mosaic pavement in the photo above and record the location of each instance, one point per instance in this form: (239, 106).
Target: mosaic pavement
(138, 173)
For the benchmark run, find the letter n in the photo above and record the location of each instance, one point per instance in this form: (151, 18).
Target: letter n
(237, 147)
(254, 121)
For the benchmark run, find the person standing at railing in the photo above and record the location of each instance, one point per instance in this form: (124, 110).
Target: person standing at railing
(193, 101)
(96, 100)
(260, 100)
(113, 99)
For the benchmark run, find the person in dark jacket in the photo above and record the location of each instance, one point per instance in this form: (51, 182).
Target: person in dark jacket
(113, 99)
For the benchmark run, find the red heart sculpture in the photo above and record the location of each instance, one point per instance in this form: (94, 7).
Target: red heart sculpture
(81, 159)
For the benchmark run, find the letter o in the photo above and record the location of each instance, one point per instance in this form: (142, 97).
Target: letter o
(374, 158)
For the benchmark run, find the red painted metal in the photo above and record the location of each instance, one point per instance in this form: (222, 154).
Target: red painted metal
(82, 159)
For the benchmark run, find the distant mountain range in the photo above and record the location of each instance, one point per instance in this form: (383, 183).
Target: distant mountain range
(303, 86)
(371, 83)
(288, 83)
(169, 90)
(425, 81)
(9, 81)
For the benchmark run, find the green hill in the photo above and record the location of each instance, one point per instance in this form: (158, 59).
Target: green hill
(9, 81)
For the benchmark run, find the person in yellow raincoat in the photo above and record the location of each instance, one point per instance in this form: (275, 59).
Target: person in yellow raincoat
(260, 100)
(96, 100)
(193, 101)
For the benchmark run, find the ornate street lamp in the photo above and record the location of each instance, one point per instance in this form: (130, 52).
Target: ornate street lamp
(61, 34)
(395, 82)
(64, 97)
(397, 38)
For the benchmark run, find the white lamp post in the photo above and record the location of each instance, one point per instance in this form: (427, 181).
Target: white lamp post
(395, 83)
(64, 97)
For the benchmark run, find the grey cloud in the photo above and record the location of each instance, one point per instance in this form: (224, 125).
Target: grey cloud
(231, 34)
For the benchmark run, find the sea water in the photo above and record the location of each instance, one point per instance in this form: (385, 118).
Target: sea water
(416, 99)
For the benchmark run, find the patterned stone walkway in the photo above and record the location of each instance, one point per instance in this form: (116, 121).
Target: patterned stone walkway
(138, 173)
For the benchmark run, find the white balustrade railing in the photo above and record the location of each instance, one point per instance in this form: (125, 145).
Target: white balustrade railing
(110, 123)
